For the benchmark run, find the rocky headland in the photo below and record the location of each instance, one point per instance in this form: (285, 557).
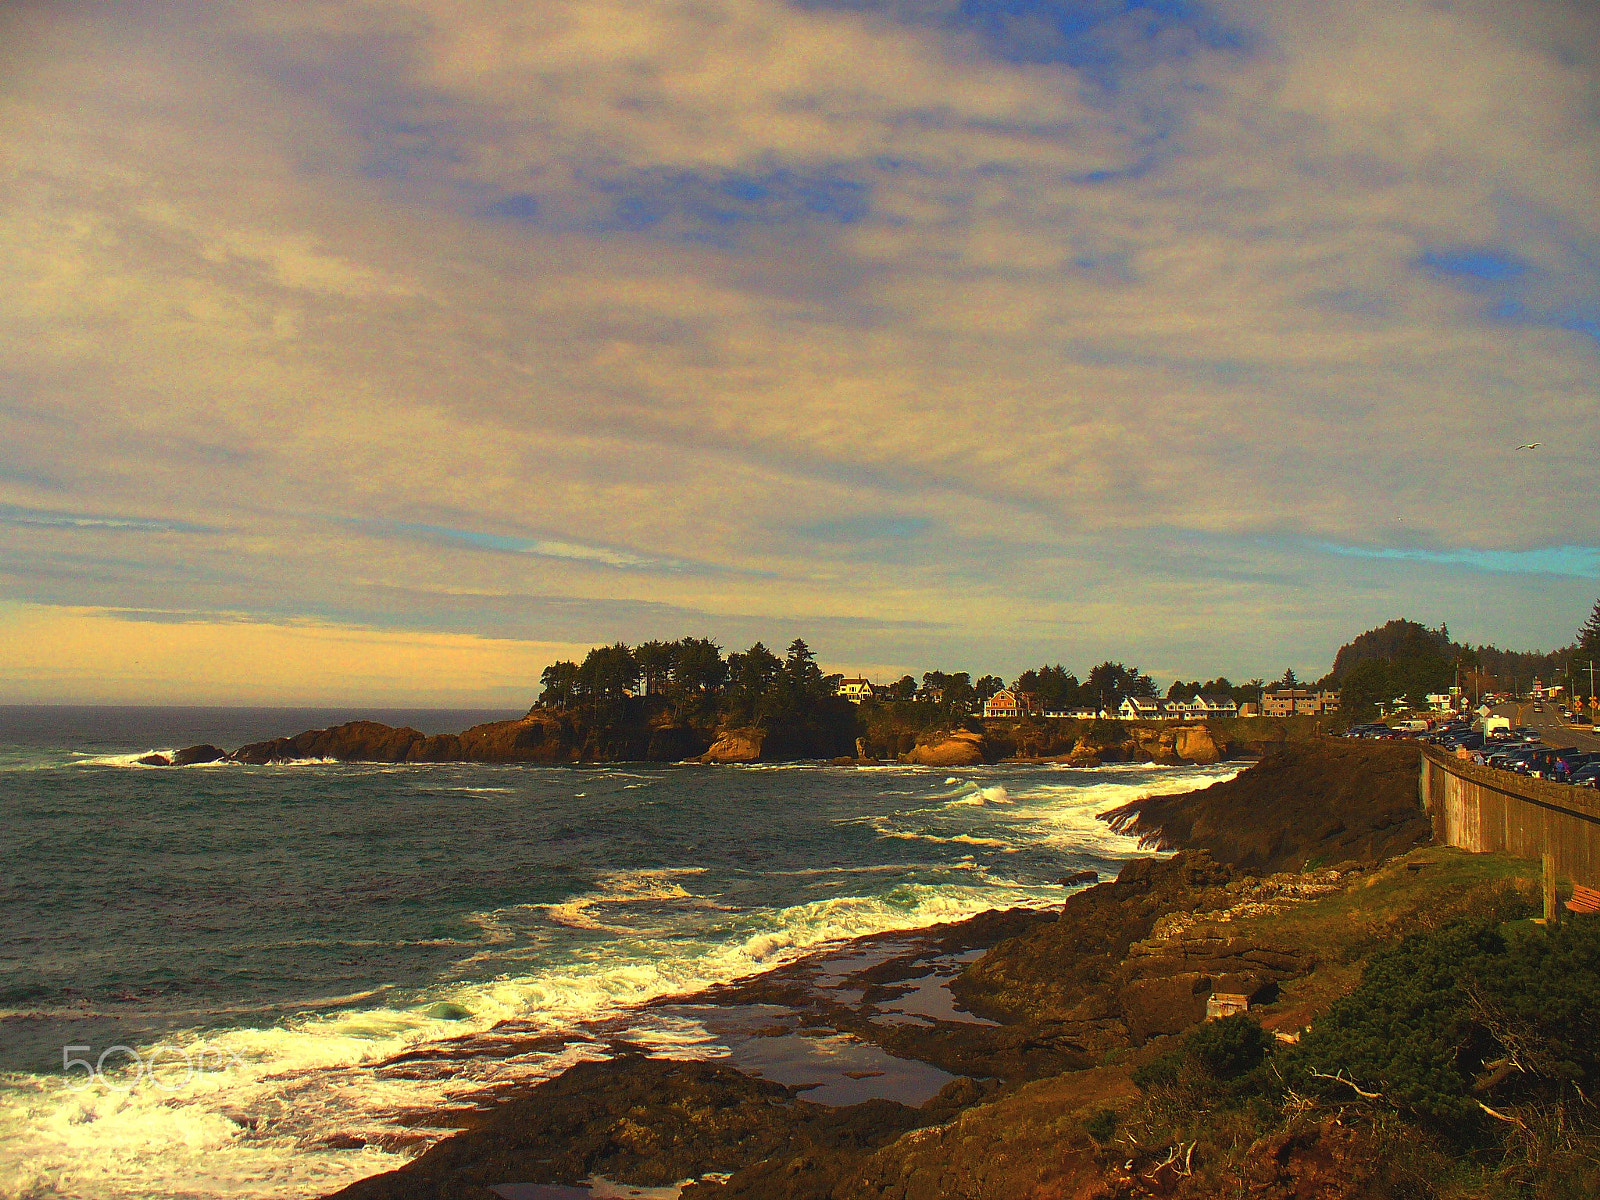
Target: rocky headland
(552, 735)
(1039, 1054)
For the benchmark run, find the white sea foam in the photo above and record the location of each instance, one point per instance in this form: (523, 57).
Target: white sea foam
(256, 1129)
(312, 1077)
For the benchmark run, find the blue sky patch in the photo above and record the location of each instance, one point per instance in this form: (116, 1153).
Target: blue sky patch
(519, 206)
(1561, 291)
(39, 518)
(710, 206)
(717, 202)
(541, 547)
(868, 529)
(1573, 562)
(1100, 37)
(1485, 265)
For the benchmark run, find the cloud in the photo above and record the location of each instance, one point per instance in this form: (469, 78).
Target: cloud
(1040, 329)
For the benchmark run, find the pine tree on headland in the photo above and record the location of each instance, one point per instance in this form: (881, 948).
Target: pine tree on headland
(1589, 635)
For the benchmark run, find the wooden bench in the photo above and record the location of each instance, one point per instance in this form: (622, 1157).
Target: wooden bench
(1584, 900)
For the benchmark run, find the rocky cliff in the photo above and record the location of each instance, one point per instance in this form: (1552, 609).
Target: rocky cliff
(1330, 802)
(539, 737)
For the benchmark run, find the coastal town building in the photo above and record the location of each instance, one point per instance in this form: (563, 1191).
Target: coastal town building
(1299, 702)
(855, 690)
(1008, 702)
(1142, 708)
(1211, 706)
(1148, 708)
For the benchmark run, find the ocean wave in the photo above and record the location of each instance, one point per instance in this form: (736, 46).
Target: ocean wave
(257, 1129)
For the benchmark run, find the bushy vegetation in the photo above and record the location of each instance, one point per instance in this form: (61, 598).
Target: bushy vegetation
(1229, 1051)
(1455, 1027)
(1464, 1064)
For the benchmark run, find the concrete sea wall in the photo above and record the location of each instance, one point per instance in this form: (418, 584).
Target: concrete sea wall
(1480, 809)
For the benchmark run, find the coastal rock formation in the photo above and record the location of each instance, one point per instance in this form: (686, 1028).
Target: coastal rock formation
(651, 1121)
(736, 746)
(1060, 972)
(1331, 801)
(1028, 1143)
(538, 737)
(1196, 744)
(674, 743)
(955, 748)
(193, 755)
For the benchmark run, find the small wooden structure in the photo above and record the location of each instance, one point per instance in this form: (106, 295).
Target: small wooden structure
(1232, 994)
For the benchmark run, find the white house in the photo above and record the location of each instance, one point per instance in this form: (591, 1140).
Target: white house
(855, 690)
(1141, 708)
(1214, 706)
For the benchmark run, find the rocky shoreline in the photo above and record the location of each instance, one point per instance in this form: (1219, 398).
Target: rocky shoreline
(966, 1060)
(554, 736)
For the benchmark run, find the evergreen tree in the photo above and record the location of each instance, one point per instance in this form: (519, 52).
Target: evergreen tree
(697, 667)
(1110, 683)
(988, 686)
(557, 684)
(655, 661)
(1589, 635)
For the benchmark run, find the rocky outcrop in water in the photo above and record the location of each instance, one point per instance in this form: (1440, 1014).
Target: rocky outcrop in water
(538, 738)
(955, 748)
(736, 746)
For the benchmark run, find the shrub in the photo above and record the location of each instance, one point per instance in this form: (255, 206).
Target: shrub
(1101, 1125)
(1223, 1051)
(1466, 1014)
(1227, 1048)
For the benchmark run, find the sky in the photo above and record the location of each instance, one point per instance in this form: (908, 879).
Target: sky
(386, 351)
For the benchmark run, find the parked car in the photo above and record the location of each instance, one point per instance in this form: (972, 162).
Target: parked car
(1588, 776)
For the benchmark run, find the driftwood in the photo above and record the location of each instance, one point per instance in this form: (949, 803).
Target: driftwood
(1338, 1077)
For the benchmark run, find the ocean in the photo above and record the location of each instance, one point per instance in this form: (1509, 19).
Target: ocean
(201, 967)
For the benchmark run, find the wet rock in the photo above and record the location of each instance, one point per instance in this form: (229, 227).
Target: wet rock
(649, 1122)
(538, 737)
(1077, 877)
(674, 743)
(736, 746)
(1332, 801)
(1196, 744)
(191, 755)
(1048, 973)
(1164, 1005)
(344, 1141)
(154, 760)
(955, 748)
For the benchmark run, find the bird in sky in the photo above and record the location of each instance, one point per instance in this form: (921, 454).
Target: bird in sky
(1531, 446)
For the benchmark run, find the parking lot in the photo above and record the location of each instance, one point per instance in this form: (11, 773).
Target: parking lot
(1539, 743)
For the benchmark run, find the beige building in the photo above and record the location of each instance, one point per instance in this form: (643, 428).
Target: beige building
(1299, 702)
